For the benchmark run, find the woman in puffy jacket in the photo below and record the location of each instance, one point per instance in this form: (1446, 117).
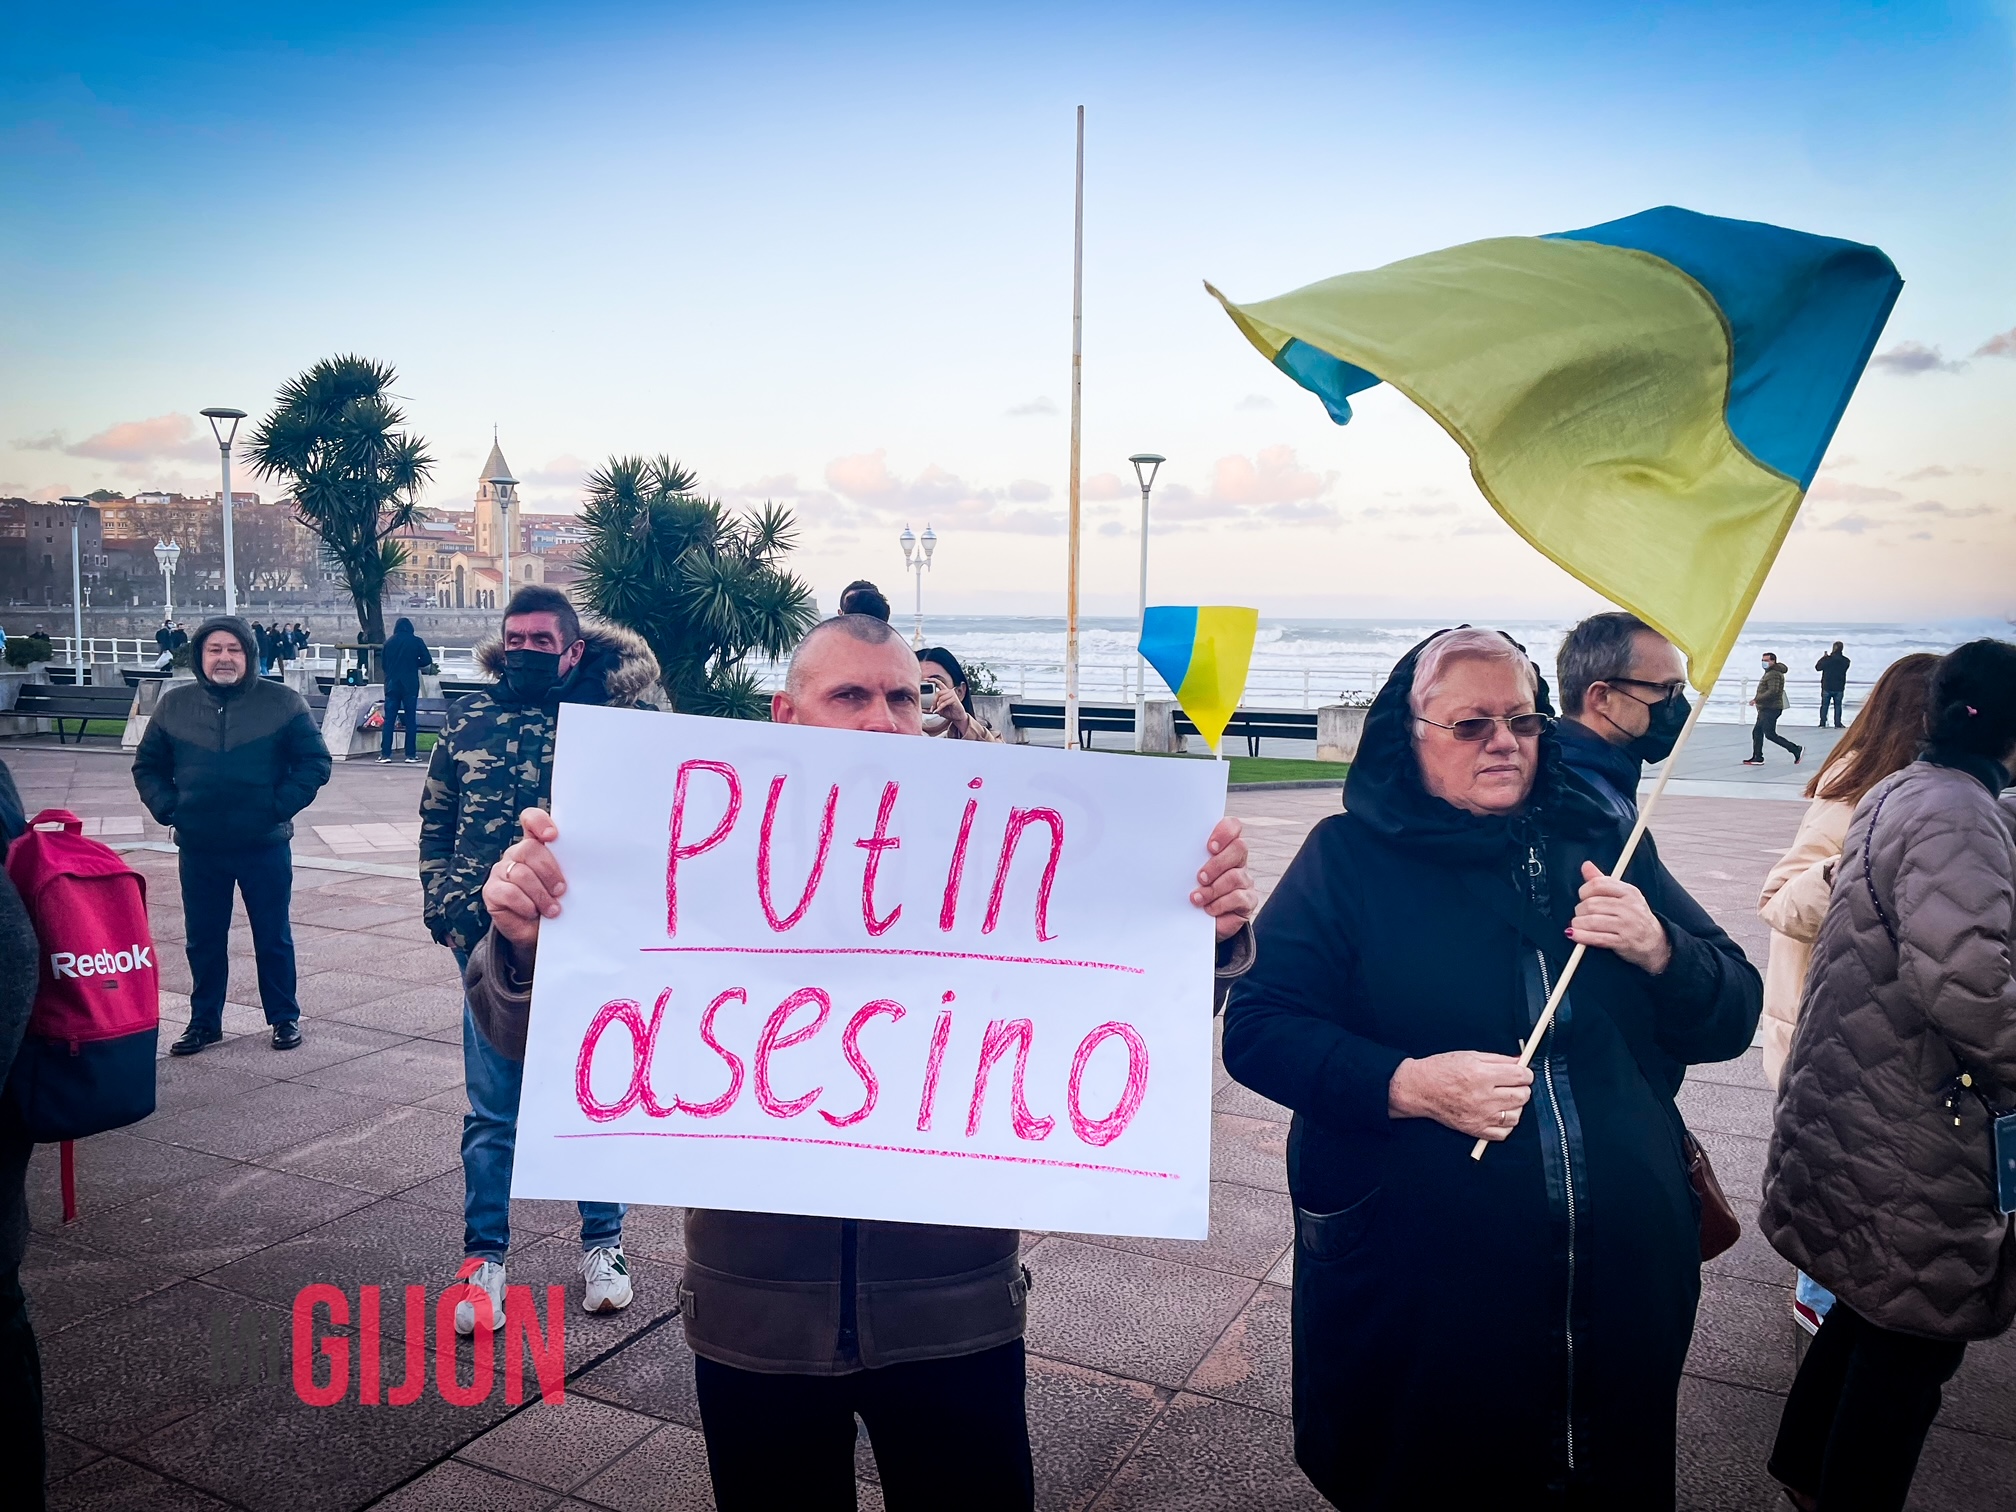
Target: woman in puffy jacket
(1886, 737)
(1881, 1180)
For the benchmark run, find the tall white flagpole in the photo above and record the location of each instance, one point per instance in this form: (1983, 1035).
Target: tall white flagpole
(1077, 371)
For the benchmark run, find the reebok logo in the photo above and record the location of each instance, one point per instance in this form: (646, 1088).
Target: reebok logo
(68, 963)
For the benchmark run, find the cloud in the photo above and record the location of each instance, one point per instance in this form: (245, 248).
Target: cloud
(1948, 512)
(1827, 491)
(1028, 491)
(1042, 404)
(1255, 402)
(2003, 345)
(1940, 470)
(1105, 486)
(1907, 359)
(1919, 535)
(564, 471)
(936, 496)
(47, 441)
(138, 443)
(1274, 476)
(1853, 524)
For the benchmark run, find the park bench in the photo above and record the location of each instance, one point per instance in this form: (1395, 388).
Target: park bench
(1116, 719)
(1255, 725)
(63, 704)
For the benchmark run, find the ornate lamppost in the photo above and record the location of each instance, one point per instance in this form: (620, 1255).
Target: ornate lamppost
(917, 560)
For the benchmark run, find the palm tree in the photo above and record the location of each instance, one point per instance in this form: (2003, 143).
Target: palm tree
(702, 584)
(335, 436)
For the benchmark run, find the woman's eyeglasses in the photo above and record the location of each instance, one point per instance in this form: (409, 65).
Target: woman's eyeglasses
(1525, 726)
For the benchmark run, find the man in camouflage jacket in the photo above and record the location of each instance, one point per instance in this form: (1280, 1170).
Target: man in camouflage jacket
(494, 760)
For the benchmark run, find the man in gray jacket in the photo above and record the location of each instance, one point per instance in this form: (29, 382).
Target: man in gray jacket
(228, 761)
(800, 1323)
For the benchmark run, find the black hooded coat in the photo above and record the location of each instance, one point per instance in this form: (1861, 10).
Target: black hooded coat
(230, 766)
(1503, 1333)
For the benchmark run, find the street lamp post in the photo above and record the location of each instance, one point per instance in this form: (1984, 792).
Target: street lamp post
(216, 417)
(77, 507)
(1152, 465)
(500, 491)
(917, 559)
(167, 553)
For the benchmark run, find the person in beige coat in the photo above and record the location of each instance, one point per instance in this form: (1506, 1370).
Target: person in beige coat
(1886, 737)
(1881, 1181)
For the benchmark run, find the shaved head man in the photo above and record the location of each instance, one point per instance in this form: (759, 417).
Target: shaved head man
(799, 1324)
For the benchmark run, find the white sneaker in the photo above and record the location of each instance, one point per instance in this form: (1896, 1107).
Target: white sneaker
(608, 1276)
(488, 1275)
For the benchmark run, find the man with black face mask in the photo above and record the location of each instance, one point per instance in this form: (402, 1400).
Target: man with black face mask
(1623, 703)
(494, 760)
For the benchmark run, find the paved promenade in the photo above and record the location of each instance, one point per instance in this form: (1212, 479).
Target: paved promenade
(1158, 1373)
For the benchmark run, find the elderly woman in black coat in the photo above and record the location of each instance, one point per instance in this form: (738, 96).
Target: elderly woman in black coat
(1503, 1333)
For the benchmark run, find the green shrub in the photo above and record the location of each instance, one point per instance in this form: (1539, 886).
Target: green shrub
(23, 650)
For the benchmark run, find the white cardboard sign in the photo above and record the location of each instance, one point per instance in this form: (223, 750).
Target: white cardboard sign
(819, 971)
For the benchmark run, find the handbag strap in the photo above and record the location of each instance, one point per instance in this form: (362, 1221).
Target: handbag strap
(1869, 875)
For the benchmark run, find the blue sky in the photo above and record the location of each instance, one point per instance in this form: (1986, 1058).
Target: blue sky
(822, 254)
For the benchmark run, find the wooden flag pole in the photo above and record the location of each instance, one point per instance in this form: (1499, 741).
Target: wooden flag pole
(1623, 860)
(1077, 368)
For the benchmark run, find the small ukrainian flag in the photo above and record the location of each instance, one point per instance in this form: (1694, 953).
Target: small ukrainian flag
(1203, 653)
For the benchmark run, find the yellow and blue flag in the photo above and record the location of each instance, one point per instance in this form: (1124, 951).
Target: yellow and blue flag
(1203, 653)
(1645, 401)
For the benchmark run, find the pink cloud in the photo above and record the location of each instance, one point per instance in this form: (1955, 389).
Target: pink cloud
(2003, 345)
(1106, 485)
(1274, 476)
(163, 438)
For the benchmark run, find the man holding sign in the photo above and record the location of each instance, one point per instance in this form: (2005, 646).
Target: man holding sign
(853, 1293)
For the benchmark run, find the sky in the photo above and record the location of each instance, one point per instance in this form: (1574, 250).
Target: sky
(822, 255)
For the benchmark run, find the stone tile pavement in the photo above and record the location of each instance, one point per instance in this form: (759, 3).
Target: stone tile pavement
(1159, 1374)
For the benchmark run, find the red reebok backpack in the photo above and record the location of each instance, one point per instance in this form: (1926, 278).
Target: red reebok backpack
(87, 1064)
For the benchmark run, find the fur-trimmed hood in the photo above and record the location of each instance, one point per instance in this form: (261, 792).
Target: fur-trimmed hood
(618, 668)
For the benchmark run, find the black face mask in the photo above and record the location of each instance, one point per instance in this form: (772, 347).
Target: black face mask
(1667, 720)
(530, 675)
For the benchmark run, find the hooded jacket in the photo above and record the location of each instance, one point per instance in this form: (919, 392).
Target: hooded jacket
(1794, 903)
(1558, 1276)
(402, 656)
(230, 767)
(494, 760)
(1872, 1187)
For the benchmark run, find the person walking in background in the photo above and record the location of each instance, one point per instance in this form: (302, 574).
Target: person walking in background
(164, 642)
(1833, 670)
(863, 597)
(1769, 701)
(1623, 701)
(264, 637)
(491, 762)
(1886, 737)
(1880, 1181)
(948, 703)
(228, 761)
(403, 657)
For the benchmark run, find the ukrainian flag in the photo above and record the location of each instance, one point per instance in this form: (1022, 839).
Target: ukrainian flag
(1203, 653)
(1645, 401)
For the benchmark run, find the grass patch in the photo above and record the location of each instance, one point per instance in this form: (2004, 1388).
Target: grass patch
(1274, 768)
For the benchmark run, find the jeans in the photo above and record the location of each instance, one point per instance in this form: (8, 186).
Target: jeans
(265, 878)
(1830, 695)
(1765, 729)
(1858, 1412)
(401, 701)
(946, 1433)
(490, 1139)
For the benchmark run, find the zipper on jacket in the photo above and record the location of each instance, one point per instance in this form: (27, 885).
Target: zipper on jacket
(850, 1238)
(1568, 1169)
